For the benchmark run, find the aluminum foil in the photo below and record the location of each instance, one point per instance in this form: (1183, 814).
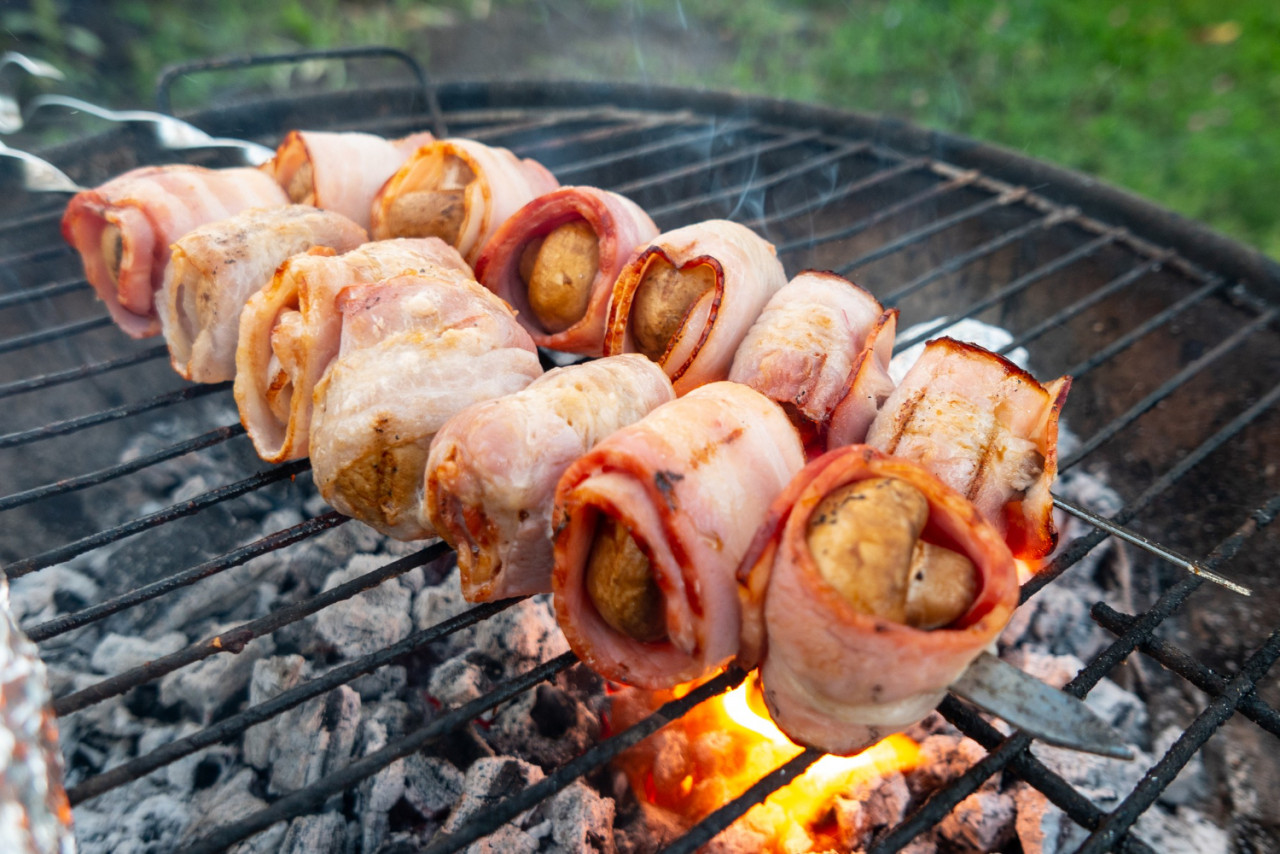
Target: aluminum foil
(35, 817)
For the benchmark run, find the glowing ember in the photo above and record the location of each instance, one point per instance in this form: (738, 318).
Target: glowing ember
(1026, 569)
(699, 762)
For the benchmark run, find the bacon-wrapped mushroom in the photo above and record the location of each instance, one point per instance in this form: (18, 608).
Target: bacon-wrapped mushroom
(214, 270)
(821, 348)
(290, 332)
(879, 585)
(651, 525)
(413, 351)
(556, 261)
(493, 468)
(687, 299)
(339, 172)
(458, 190)
(987, 429)
(124, 228)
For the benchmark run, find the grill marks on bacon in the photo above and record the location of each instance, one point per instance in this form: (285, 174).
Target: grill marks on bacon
(986, 428)
(214, 270)
(821, 348)
(619, 226)
(493, 468)
(290, 332)
(743, 271)
(690, 482)
(459, 190)
(136, 216)
(339, 172)
(833, 676)
(414, 350)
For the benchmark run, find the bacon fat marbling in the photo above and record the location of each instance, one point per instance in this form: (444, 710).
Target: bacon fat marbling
(147, 209)
(987, 429)
(493, 468)
(619, 225)
(215, 268)
(340, 172)
(290, 332)
(691, 481)
(413, 351)
(821, 348)
(834, 677)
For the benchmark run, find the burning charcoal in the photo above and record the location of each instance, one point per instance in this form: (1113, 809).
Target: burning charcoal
(521, 635)
(581, 820)
(981, 822)
(209, 685)
(315, 834)
(489, 781)
(57, 590)
(271, 676)
(117, 653)
(368, 621)
(1186, 831)
(457, 681)
(379, 793)
(945, 757)
(312, 739)
(1191, 786)
(434, 605)
(870, 808)
(505, 840)
(546, 725)
(431, 786)
(386, 681)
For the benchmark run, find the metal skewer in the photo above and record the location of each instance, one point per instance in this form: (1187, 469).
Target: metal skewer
(171, 133)
(1150, 546)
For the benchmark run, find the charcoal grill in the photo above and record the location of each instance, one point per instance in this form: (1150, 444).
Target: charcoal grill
(1168, 328)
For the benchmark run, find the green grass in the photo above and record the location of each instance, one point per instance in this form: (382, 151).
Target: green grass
(1179, 102)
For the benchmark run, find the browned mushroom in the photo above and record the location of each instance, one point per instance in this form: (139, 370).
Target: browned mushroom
(663, 299)
(865, 541)
(621, 585)
(302, 186)
(112, 242)
(558, 271)
(438, 211)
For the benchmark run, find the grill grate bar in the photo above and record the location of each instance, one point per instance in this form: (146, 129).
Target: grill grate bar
(647, 148)
(53, 333)
(72, 484)
(271, 542)
(43, 292)
(43, 381)
(234, 640)
(1082, 545)
(238, 723)
(44, 253)
(1160, 775)
(83, 422)
(596, 756)
(881, 215)
(17, 569)
(787, 141)
(865, 183)
(1018, 285)
(705, 830)
(312, 796)
(1172, 658)
(958, 262)
(1082, 305)
(623, 124)
(937, 226)
(1152, 323)
(754, 185)
(1169, 386)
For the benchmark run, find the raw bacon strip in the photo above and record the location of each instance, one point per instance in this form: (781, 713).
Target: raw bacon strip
(834, 677)
(691, 482)
(289, 333)
(214, 270)
(339, 172)
(459, 190)
(743, 272)
(415, 350)
(493, 467)
(821, 348)
(137, 216)
(619, 226)
(987, 429)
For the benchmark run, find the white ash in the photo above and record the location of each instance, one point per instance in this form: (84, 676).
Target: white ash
(983, 821)
(967, 330)
(871, 807)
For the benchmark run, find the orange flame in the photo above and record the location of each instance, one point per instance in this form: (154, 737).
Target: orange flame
(723, 746)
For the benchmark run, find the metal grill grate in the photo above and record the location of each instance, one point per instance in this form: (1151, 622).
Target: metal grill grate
(1167, 324)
